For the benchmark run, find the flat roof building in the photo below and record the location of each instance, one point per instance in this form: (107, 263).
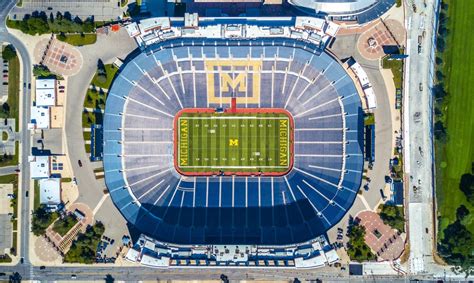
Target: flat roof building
(50, 191)
(40, 117)
(39, 167)
(45, 92)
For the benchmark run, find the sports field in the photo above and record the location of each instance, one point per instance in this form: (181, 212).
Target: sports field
(456, 156)
(229, 143)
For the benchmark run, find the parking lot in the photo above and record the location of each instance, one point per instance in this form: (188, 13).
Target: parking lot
(4, 79)
(6, 191)
(102, 10)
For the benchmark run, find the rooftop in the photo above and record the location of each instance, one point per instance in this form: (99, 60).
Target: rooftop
(39, 167)
(40, 117)
(50, 191)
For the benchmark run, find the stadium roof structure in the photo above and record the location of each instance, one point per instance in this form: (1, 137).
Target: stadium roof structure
(362, 11)
(280, 73)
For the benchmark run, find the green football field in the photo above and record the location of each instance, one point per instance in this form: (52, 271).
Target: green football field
(233, 142)
(455, 157)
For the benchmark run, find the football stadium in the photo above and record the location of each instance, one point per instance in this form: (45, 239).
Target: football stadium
(217, 141)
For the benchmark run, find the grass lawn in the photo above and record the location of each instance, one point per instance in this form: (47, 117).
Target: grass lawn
(95, 99)
(5, 259)
(241, 142)
(397, 70)
(4, 136)
(88, 148)
(14, 241)
(110, 70)
(79, 39)
(62, 226)
(87, 136)
(14, 89)
(36, 202)
(455, 157)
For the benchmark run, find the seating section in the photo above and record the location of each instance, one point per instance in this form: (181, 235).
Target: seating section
(138, 153)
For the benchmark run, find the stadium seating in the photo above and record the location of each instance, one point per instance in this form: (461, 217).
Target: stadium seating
(138, 151)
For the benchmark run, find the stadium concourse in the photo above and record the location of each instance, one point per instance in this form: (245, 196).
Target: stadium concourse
(179, 73)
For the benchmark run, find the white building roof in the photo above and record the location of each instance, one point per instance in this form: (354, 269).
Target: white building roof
(316, 261)
(50, 191)
(45, 97)
(361, 74)
(40, 117)
(39, 167)
(155, 262)
(132, 29)
(154, 30)
(370, 97)
(365, 84)
(331, 256)
(132, 255)
(153, 23)
(45, 83)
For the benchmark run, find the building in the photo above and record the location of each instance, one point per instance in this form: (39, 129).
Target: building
(357, 11)
(45, 92)
(39, 167)
(50, 191)
(40, 118)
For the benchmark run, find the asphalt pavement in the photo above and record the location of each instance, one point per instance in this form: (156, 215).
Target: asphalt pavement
(25, 138)
(418, 134)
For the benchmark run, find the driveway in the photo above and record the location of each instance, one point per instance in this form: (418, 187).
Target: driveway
(107, 49)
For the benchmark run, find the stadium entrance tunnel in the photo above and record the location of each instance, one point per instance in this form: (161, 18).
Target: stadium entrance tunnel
(233, 141)
(282, 79)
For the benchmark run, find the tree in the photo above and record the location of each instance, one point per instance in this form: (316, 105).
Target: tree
(101, 67)
(357, 248)
(41, 220)
(461, 212)
(61, 36)
(59, 16)
(440, 131)
(37, 25)
(456, 247)
(467, 186)
(9, 52)
(392, 215)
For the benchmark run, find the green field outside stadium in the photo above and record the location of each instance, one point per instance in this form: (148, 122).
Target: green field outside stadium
(233, 142)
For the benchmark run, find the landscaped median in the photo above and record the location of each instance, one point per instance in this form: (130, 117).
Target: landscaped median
(78, 39)
(63, 225)
(94, 102)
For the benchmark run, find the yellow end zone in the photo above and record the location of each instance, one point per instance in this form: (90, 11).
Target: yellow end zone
(228, 84)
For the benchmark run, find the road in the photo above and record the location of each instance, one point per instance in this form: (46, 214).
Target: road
(25, 138)
(418, 132)
(7, 170)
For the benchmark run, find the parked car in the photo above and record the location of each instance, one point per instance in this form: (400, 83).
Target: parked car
(42, 267)
(79, 162)
(5, 83)
(61, 87)
(5, 71)
(29, 85)
(26, 194)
